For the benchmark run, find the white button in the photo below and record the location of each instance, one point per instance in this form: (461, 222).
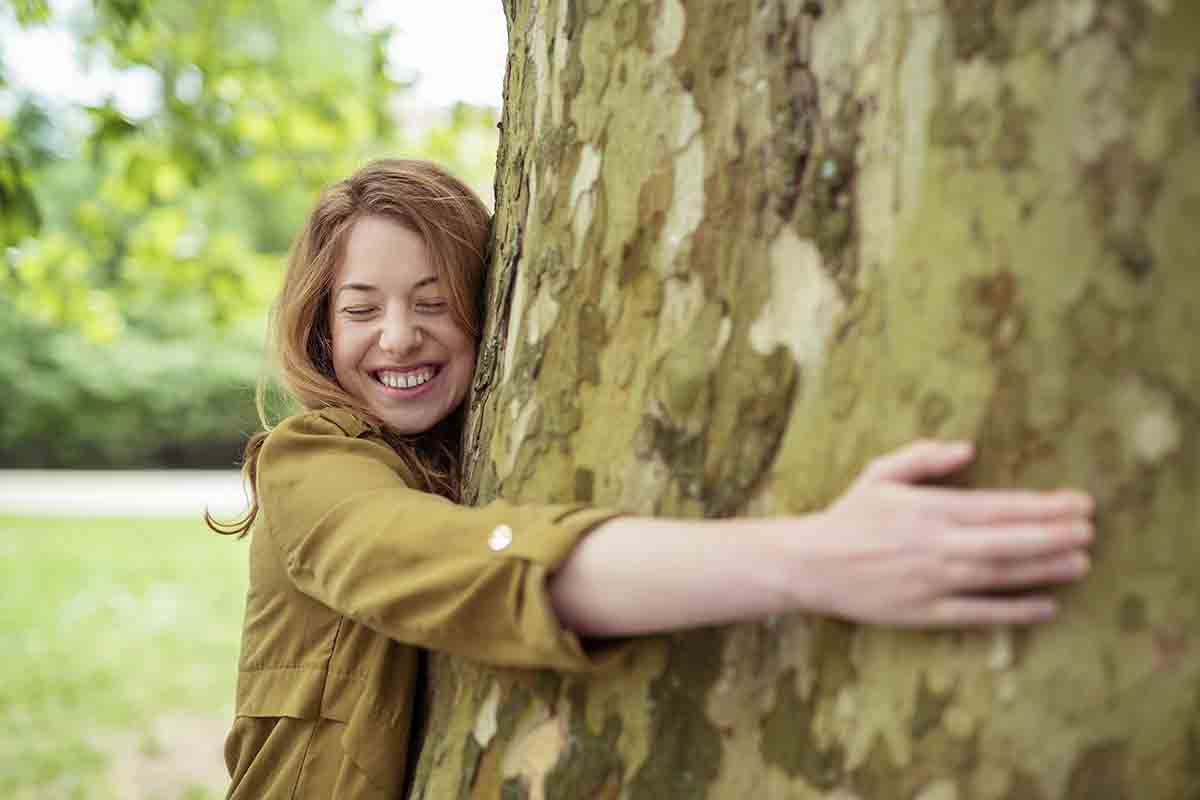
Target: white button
(501, 537)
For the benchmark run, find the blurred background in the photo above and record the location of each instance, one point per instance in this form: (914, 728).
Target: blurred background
(156, 157)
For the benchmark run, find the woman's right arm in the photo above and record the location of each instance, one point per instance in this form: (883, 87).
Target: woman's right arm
(889, 551)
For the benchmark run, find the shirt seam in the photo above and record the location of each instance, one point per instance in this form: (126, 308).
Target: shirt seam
(312, 734)
(324, 682)
(308, 667)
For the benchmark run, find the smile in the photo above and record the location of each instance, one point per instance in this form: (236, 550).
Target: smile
(405, 379)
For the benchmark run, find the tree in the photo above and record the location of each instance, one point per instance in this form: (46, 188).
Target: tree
(743, 247)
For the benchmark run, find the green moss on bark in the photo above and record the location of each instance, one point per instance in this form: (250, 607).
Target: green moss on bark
(788, 740)
(591, 764)
(687, 750)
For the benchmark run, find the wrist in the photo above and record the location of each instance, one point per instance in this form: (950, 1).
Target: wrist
(797, 575)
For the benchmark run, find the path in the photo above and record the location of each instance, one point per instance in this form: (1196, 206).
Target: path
(121, 493)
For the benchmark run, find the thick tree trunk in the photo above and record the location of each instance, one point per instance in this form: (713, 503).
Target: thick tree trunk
(744, 246)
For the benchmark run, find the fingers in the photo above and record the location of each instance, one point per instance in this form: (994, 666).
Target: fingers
(930, 458)
(985, 507)
(978, 576)
(920, 460)
(1011, 542)
(1024, 610)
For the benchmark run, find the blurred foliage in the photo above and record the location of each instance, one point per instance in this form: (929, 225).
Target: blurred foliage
(23, 149)
(141, 246)
(32, 11)
(140, 399)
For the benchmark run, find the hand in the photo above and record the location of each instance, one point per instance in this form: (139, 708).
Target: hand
(890, 551)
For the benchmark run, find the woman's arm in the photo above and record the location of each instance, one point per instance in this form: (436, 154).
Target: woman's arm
(889, 551)
(339, 525)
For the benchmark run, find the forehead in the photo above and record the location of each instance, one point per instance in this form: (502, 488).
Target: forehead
(383, 253)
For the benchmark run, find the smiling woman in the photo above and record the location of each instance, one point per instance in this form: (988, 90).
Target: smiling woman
(396, 345)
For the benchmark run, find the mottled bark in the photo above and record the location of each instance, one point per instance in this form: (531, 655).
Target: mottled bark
(744, 246)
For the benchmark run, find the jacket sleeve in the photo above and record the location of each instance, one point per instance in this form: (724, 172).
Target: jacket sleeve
(411, 565)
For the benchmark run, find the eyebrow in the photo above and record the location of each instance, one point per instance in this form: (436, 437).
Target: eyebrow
(367, 287)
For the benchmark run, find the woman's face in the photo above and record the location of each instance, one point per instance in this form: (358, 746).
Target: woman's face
(396, 347)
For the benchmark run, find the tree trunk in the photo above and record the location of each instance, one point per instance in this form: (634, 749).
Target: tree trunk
(744, 246)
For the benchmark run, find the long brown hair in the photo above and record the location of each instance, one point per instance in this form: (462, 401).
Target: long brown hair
(454, 225)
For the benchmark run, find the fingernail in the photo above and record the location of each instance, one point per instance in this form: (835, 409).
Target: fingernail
(1082, 530)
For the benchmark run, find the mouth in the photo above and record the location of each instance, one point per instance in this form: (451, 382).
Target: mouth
(406, 382)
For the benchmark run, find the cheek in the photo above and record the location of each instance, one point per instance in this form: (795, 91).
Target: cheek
(460, 343)
(345, 348)
(469, 356)
(465, 354)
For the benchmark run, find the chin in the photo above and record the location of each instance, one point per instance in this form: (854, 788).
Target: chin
(415, 424)
(409, 427)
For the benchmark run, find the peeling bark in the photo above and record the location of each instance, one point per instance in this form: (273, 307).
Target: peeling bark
(742, 247)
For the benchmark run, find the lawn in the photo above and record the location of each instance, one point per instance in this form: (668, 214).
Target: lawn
(108, 627)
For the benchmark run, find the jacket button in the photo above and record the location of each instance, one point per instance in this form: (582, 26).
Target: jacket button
(501, 537)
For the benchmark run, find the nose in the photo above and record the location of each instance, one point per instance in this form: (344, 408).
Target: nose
(400, 334)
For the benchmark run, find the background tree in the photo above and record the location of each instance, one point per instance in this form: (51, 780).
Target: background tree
(141, 246)
(743, 247)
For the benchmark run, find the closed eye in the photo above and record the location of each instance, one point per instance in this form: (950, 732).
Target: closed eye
(431, 306)
(357, 311)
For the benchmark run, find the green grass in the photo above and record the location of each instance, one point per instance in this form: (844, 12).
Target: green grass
(104, 625)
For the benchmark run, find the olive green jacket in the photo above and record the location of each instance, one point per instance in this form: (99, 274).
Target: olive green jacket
(351, 573)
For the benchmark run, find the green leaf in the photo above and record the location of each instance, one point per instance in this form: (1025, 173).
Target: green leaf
(31, 12)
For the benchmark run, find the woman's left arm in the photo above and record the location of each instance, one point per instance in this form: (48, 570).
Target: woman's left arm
(892, 550)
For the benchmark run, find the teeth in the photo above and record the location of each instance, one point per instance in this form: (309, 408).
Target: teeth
(405, 380)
